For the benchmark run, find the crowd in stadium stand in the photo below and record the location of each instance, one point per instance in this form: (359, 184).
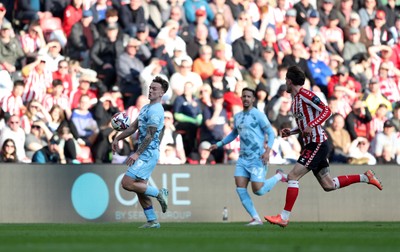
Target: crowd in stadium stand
(66, 66)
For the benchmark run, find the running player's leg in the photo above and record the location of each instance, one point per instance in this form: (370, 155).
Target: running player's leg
(241, 190)
(145, 202)
(329, 184)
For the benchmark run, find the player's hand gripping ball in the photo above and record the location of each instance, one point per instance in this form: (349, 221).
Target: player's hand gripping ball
(120, 121)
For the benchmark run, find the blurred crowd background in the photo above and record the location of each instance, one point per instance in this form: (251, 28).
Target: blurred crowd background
(66, 66)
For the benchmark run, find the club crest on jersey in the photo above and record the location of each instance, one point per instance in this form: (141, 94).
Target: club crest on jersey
(316, 100)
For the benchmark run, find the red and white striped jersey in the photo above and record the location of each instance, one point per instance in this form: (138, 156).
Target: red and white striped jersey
(310, 111)
(49, 101)
(36, 85)
(12, 104)
(390, 89)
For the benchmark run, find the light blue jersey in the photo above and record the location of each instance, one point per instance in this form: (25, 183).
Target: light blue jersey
(251, 126)
(150, 115)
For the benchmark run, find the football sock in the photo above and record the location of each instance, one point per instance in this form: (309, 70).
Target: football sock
(343, 181)
(269, 184)
(291, 195)
(151, 191)
(150, 214)
(247, 202)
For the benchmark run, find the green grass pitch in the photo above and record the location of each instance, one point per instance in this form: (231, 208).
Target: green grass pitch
(193, 237)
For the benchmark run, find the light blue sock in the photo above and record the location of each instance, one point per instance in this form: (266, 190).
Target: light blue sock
(246, 201)
(151, 191)
(150, 214)
(268, 185)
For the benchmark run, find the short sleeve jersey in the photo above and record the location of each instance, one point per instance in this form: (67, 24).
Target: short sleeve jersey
(151, 115)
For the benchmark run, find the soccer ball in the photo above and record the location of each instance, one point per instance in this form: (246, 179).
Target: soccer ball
(120, 121)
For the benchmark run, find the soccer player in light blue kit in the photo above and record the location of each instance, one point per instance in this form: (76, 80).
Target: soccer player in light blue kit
(254, 130)
(141, 164)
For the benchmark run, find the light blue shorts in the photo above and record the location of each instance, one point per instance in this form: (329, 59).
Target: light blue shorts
(254, 169)
(144, 166)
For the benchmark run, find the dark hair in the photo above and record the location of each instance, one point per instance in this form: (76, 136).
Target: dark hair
(250, 90)
(164, 84)
(296, 75)
(19, 83)
(57, 82)
(3, 152)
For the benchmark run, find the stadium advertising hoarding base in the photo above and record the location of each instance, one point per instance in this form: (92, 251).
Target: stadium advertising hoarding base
(92, 193)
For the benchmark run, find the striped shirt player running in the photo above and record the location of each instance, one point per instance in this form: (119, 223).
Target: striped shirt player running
(253, 128)
(150, 124)
(310, 114)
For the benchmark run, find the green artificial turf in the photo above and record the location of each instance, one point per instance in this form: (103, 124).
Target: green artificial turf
(193, 237)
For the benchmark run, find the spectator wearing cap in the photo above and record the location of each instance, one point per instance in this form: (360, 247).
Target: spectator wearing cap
(85, 81)
(233, 100)
(357, 121)
(81, 39)
(343, 78)
(232, 74)
(4, 14)
(388, 137)
(377, 29)
(168, 39)
(110, 18)
(320, 71)
(183, 75)
(10, 49)
(354, 22)
(219, 60)
(202, 155)
(72, 15)
(333, 35)
(324, 10)
(194, 7)
(104, 54)
(51, 153)
(215, 118)
(188, 116)
(132, 15)
(246, 49)
(373, 97)
(188, 31)
(310, 28)
(367, 12)
(128, 68)
(353, 46)
(302, 8)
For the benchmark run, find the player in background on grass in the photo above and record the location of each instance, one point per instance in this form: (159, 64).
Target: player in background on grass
(256, 140)
(310, 114)
(141, 164)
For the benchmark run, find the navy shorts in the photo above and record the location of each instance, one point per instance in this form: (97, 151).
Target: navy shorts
(315, 156)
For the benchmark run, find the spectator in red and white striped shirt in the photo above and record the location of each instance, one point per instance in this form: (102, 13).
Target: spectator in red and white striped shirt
(13, 103)
(57, 97)
(37, 80)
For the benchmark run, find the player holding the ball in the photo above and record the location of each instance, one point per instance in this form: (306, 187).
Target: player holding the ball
(141, 164)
